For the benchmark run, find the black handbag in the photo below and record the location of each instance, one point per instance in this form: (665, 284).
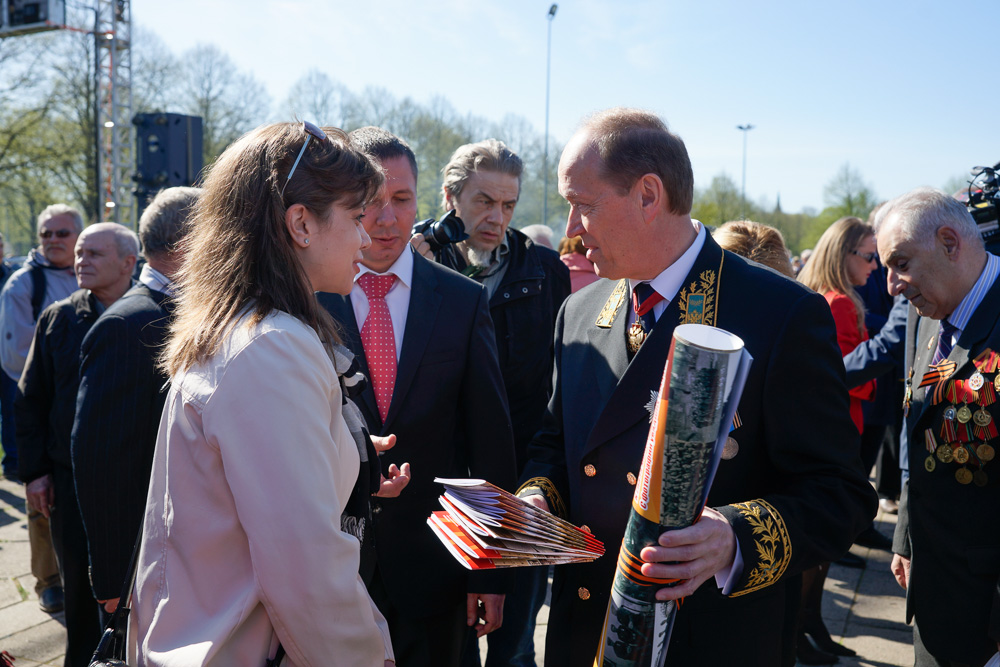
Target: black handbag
(112, 649)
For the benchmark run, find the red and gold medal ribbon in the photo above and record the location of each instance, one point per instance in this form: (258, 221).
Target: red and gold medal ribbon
(963, 434)
(929, 441)
(937, 372)
(948, 431)
(987, 432)
(987, 395)
(951, 391)
(987, 362)
(965, 393)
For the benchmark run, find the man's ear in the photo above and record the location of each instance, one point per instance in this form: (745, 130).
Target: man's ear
(449, 201)
(950, 241)
(651, 195)
(299, 224)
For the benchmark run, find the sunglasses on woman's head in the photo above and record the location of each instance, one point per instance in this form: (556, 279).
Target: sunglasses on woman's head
(59, 234)
(311, 131)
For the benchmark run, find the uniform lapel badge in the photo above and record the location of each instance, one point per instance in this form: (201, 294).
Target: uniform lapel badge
(697, 301)
(612, 305)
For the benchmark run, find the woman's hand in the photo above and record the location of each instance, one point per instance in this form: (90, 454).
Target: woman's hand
(393, 485)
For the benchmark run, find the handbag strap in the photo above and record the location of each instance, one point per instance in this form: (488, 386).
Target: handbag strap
(115, 632)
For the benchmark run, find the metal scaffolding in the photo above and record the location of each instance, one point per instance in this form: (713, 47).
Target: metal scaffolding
(115, 138)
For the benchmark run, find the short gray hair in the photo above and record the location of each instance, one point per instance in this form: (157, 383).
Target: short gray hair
(922, 212)
(165, 221)
(488, 155)
(52, 211)
(125, 239)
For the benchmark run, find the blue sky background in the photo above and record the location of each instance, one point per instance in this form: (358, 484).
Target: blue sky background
(906, 92)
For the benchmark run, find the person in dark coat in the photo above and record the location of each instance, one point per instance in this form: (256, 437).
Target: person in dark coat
(45, 405)
(527, 284)
(426, 342)
(121, 396)
(791, 494)
(947, 539)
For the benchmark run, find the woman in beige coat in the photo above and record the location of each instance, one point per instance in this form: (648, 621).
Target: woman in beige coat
(258, 451)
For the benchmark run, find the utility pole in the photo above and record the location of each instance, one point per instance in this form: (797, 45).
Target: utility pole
(545, 159)
(745, 129)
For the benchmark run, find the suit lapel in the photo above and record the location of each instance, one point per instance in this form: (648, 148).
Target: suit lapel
(420, 317)
(627, 404)
(343, 312)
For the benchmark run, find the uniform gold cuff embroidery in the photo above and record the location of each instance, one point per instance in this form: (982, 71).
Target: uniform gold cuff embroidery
(774, 549)
(547, 489)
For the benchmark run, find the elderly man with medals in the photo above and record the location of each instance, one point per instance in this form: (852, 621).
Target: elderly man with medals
(789, 492)
(947, 541)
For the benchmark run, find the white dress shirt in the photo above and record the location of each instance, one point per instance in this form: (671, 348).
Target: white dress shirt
(398, 298)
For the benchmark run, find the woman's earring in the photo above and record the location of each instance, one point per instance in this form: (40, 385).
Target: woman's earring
(307, 241)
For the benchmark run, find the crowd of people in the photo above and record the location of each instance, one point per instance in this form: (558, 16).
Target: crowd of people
(240, 439)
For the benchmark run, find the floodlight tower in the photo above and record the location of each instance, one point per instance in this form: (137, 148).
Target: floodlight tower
(114, 132)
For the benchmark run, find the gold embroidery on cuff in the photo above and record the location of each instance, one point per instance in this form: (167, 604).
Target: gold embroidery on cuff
(548, 489)
(773, 546)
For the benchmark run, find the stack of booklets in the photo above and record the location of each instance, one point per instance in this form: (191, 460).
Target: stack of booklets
(485, 527)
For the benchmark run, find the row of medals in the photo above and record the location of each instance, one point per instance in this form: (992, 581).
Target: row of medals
(960, 452)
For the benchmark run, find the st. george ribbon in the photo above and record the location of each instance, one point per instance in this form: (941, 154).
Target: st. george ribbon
(699, 391)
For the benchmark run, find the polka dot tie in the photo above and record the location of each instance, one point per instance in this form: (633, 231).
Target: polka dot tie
(378, 340)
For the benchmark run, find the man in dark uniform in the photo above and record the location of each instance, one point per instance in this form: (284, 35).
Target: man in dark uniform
(791, 493)
(947, 541)
(526, 284)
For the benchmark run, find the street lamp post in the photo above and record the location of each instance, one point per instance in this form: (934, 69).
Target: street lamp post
(545, 159)
(745, 129)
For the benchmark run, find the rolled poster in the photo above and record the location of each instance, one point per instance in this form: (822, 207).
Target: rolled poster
(699, 391)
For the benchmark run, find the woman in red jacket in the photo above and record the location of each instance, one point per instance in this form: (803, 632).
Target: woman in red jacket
(842, 260)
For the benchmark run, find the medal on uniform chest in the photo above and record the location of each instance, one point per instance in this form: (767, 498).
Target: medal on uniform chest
(976, 381)
(979, 478)
(963, 475)
(964, 414)
(730, 449)
(635, 336)
(930, 464)
(985, 452)
(944, 454)
(961, 454)
(950, 413)
(982, 417)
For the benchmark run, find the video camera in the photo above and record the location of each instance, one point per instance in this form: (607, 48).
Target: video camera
(984, 203)
(438, 234)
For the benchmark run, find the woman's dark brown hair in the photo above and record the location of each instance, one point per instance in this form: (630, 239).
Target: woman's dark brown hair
(239, 254)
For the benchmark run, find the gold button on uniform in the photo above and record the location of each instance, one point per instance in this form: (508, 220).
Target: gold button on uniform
(589, 470)
(631, 479)
(583, 593)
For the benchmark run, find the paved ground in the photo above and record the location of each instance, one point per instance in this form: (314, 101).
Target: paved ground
(863, 608)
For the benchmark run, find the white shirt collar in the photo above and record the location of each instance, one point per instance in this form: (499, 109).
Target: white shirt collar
(402, 267)
(155, 280)
(669, 282)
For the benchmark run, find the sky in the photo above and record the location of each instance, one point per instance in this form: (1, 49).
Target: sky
(904, 91)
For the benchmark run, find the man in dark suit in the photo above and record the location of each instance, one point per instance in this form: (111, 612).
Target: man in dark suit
(790, 493)
(526, 284)
(947, 541)
(105, 258)
(424, 338)
(121, 397)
